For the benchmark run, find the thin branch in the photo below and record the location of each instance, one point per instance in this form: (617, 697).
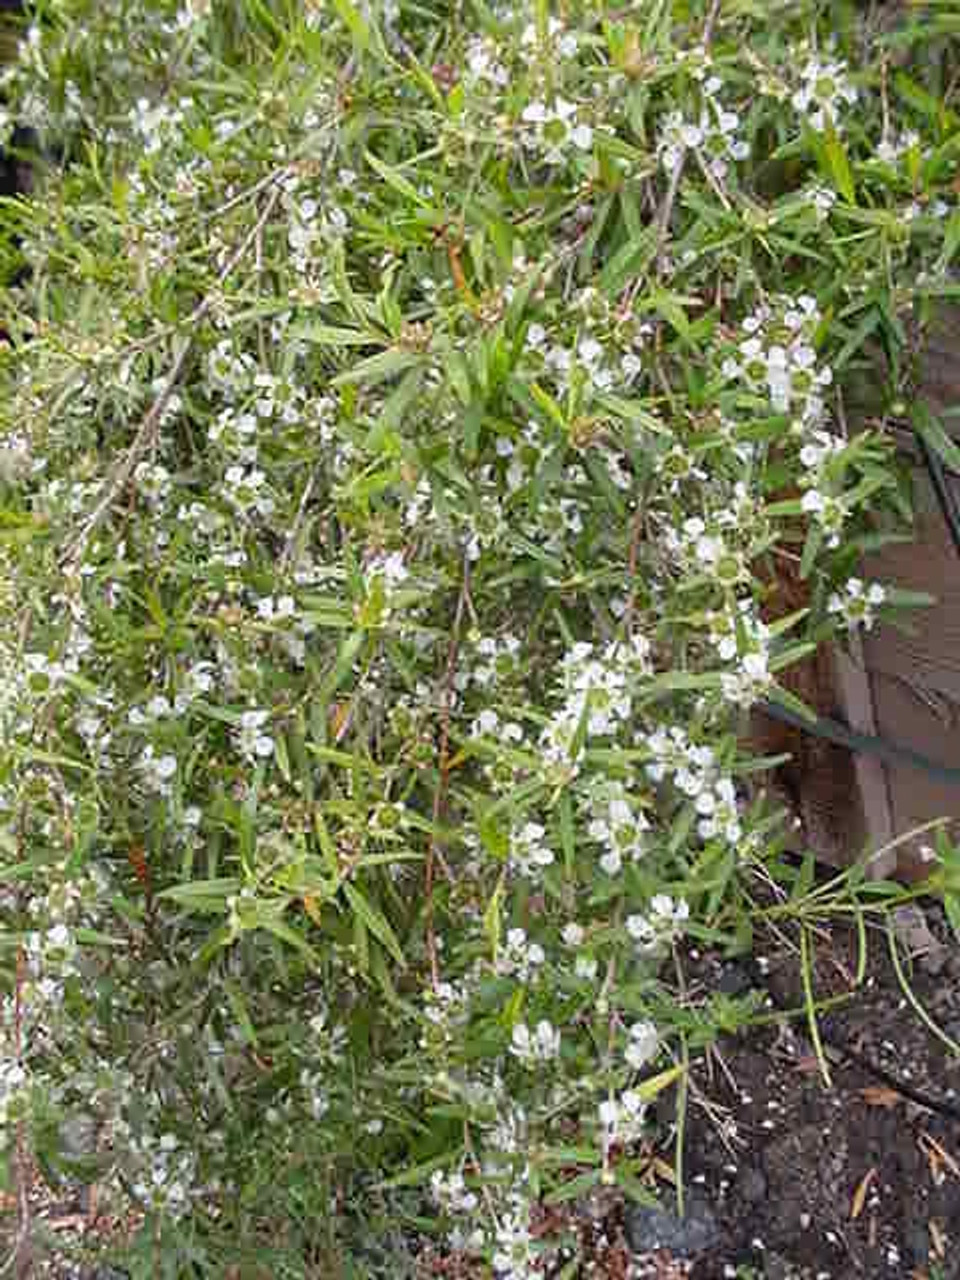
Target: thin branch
(715, 185)
(142, 441)
(636, 532)
(20, 1258)
(666, 212)
(249, 193)
(440, 794)
(13, 1256)
(711, 22)
(298, 519)
(666, 209)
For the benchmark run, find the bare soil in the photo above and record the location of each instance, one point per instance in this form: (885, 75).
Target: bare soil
(861, 1178)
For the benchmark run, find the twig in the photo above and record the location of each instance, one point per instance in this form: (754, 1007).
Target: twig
(141, 442)
(713, 182)
(249, 193)
(13, 1256)
(666, 209)
(666, 212)
(298, 521)
(440, 794)
(711, 22)
(633, 557)
(20, 1258)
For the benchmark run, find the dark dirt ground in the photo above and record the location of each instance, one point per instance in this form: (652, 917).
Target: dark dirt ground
(855, 1180)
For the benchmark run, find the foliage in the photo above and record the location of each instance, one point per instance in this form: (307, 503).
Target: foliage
(408, 413)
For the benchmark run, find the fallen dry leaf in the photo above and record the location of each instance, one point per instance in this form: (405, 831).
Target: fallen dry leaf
(879, 1095)
(938, 1239)
(860, 1195)
(938, 1157)
(808, 1065)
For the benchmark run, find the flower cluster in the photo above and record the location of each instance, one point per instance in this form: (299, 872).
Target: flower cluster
(777, 357)
(598, 690)
(617, 824)
(662, 922)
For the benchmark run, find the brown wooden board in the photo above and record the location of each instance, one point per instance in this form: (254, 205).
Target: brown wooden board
(904, 687)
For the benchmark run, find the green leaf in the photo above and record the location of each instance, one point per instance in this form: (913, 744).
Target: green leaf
(951, 905)
(648, 1089)
(491, 917)
(355, 22)
(576, 1187)
(931, 430)
(951, 238)
(839, 165)
(811, 549)
(396, 180)
(792, 703)
(928, 104)
(202, 891)
(635, 1189)
(419, 1174)
(567, 837)
(290, 936)
(379, 368)
(328, 335)
(375, 921)
(241, 1012)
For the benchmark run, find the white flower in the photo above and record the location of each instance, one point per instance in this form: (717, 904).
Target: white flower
(573, 934)
(611, 862)
(158, 770)
(642, 1045)
(609, 1112)
(664, 920)
(824, 92)
(553, 128)
(582, 137)
(813, 501)
(253, 743)
(519, 956)
(487, 722)
(541, 1045)
(451, 1193)
(858, 602)
(641, 930)
(529, 852)
(621, 1119)
(512, 1258)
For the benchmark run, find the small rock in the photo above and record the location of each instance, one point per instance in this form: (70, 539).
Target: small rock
(78, 1136)
(918, 1243)
(912, 931)
(776, 1267)
(752, 1185)
(735, 979)
(648, 1228)
(934, 960)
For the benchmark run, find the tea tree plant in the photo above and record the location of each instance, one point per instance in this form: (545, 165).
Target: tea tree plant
(408, 414)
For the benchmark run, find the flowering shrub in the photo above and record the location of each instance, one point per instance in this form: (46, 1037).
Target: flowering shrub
(407, 411)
